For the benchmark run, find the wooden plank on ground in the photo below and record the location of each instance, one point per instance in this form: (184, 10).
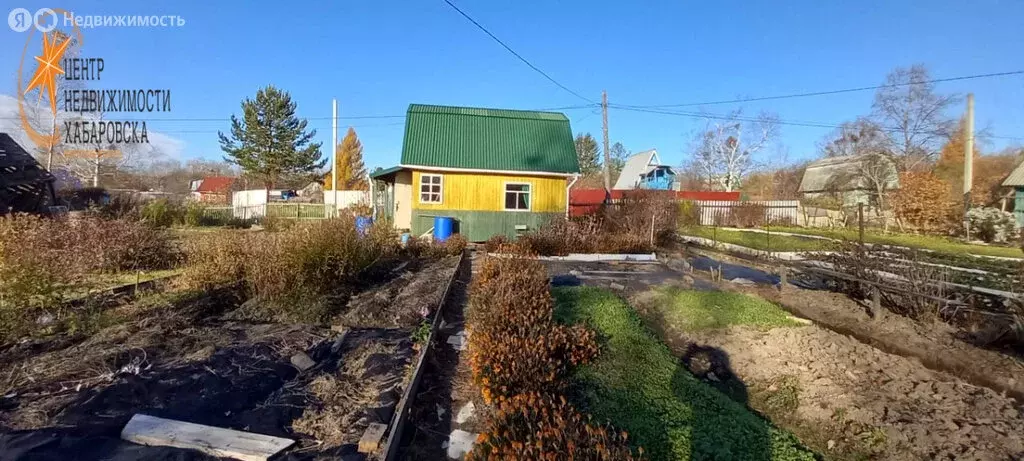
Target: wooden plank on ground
(226, 443)
(370, 440)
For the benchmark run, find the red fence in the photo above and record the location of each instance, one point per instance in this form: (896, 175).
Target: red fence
(584, 202)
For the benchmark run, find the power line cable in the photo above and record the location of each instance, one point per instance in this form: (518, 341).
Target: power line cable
(517, 55)
(779, 121)
(829, 92)
(351, 117)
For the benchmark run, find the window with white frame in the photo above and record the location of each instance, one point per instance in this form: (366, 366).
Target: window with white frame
(517, 196)
(430, 188)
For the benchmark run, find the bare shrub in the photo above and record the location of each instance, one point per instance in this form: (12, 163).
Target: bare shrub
(893, 267)
(496, 241)
(642, 213)
(747, 214)
(689, 213)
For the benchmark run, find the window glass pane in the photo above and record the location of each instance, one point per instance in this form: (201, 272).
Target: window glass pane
(517, 187)
(435, 189)
(424, 197)
(510, 201)
(524, 202)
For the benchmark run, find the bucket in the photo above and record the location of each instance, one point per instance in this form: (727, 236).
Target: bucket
(405, 238)
(444, 227)
(363, 224)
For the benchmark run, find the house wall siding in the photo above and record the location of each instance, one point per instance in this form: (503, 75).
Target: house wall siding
(486, 192)
(477, 202)
(478, 226)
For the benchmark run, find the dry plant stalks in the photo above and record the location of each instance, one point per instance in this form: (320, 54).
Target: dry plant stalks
(44, 261)
(636, 224)
(895, 267)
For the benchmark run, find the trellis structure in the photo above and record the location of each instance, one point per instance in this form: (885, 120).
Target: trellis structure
(25, 186)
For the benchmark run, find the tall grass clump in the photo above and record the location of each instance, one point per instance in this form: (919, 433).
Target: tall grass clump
(46, 261)
(309, 261)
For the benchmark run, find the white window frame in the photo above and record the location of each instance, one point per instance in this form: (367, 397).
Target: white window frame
(529, 195)
(440, 195)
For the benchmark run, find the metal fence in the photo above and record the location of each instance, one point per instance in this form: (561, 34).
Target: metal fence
(720, 212)
(274, 210)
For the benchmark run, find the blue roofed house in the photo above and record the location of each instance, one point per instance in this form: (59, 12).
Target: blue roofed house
(645, 171)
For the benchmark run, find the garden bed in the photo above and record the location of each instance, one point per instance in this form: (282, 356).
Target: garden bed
(638, 385)
(843, 397)
(193, 356)
(970, 355)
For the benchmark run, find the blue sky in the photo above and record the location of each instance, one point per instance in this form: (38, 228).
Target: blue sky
(377, 57)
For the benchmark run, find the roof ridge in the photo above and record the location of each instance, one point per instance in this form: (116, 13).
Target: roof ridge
(495, 112)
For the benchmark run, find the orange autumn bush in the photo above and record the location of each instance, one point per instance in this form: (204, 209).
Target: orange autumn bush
(537, 427)
(515, 345)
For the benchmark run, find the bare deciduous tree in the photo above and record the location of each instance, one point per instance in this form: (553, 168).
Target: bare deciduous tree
(855, 138)
(914, 115)
(726, 147)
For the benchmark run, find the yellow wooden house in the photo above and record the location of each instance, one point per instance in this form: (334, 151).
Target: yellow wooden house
(494, 171)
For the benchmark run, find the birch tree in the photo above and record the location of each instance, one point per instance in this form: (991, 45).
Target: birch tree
(727, 146)
(914, 115)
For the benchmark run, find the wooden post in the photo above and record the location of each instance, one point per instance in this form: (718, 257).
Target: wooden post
(782, 278)
(607, 155)
(876, 300)
(860, 220)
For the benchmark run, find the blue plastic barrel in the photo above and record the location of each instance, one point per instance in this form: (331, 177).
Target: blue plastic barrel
(444, 227)
(363, 224)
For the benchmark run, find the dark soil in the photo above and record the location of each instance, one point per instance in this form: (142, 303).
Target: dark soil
(447, 383)
(183, 357)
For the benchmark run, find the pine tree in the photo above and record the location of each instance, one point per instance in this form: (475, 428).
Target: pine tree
(619, 155)
(588, 153)
(351, 170)
(270, 141)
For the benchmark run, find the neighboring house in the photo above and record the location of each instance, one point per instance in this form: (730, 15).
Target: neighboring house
(1016, 181)
(495, 171)
(847, 178)
(25, 186)
(645, 171)
(213, 190)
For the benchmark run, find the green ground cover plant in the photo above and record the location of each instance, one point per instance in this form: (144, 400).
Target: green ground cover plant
(692, 310)
(638, 385)
(758, 240)
(927, 242)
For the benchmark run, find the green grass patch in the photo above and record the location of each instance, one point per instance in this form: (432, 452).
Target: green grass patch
(928, 242)
(641, 387)
(759, 240)
(691, 310)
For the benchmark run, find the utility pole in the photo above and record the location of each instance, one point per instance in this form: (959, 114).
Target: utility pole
(334, 155)
(607, 156)
(968, 160)
(969, 152)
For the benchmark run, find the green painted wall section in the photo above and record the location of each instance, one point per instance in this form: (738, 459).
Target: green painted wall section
(478, 226)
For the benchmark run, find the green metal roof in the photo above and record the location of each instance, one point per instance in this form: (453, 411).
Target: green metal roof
(378, 173)
(489, 139)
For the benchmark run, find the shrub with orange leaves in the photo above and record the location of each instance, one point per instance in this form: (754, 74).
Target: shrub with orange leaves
(515, 345)
(536, 427)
